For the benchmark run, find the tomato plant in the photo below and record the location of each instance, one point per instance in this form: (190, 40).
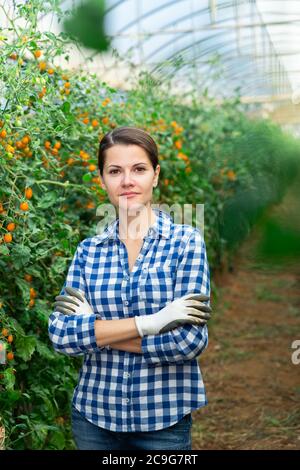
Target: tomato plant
(51, 123)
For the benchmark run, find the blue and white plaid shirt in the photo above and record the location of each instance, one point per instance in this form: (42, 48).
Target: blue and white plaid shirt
(125, 391)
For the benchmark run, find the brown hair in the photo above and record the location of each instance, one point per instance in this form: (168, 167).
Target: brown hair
(125, 135)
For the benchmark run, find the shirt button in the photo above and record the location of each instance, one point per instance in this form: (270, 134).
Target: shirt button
(126, 374)
(126, 302)
(139, 257)
(145, 270)
(127, 400)
(126, 277)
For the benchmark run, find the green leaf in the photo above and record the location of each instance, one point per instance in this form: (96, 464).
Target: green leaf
(44, 351)
(25, 346)
(4, 250)
(87, 177)
(50, 199)
(13, 396)
(41, 252)
(24, 288)
(20, 255)
(42, 310)
(87, 25)
(109, 88)
(60, 265)
(66, 107)
(65, 244)
(17, 327)
(181, 165)
(51, 36)
(57, 440)
(9, 378)
(33, 227)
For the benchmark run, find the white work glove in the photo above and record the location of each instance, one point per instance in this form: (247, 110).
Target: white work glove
(186, 309)
(76, 303)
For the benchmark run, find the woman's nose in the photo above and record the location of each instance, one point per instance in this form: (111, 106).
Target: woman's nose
(127, 178)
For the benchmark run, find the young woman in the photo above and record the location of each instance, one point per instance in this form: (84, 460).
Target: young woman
(135, 303)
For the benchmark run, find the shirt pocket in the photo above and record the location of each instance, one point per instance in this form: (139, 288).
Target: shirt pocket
(157, 285)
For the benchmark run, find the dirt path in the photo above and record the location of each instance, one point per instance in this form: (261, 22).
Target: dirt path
(252, 385)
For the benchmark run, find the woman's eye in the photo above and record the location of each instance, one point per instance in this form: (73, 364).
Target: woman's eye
(138, 168)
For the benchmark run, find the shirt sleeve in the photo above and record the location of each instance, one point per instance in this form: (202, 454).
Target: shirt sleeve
(187, 341)
(73, 335)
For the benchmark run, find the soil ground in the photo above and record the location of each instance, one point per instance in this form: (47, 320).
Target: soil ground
(252, 385)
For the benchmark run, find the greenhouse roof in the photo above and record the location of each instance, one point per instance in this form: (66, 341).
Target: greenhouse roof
(223, 45)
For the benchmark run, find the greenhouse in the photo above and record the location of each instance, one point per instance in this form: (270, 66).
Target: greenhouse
(200, 349)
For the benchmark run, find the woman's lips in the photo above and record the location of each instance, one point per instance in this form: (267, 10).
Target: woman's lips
(129, 195)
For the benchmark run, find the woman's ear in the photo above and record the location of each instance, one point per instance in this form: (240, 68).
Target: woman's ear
(157, 170)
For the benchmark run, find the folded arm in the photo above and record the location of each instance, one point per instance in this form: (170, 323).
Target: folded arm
(77, 334)
(130, 345)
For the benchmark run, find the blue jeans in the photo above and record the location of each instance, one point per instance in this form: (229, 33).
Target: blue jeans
(88, 436)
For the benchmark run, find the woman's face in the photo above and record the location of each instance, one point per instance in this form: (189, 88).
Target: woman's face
(127, 169)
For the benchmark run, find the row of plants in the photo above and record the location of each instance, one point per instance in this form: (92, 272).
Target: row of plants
(50, 126)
